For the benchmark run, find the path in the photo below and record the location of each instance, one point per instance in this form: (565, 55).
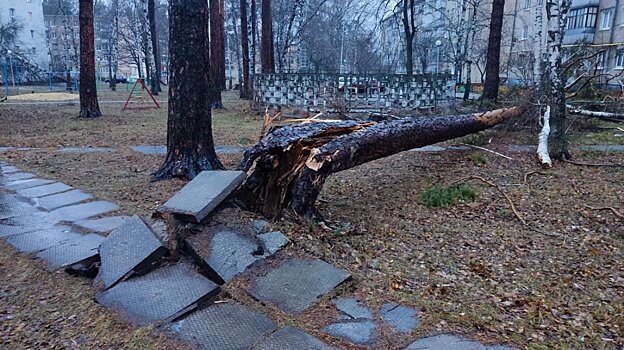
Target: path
(71, 230)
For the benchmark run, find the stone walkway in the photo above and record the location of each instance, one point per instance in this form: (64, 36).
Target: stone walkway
(71, 230)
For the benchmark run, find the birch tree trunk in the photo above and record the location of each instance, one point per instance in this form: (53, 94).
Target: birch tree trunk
(537, 48)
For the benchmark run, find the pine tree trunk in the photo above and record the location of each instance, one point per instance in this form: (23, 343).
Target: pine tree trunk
(222, 77)
(267, 55)
(216, 64)
(151, 15)
(190, 146)
(245, 86)
(254, 36)
(287, 169)
(492, 64)
(89, 106)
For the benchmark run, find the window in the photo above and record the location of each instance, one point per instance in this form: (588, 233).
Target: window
(584, 17)
(525, 31)
(619, 60)
(29, 15)
(527, 4)
(605, 23)
(32, 33)
(602, 60)
(12, 13)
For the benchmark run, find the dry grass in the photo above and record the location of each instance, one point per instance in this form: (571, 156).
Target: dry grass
(471, 268)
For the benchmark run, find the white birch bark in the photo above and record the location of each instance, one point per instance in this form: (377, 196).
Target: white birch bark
(537, 46)
(542, 146)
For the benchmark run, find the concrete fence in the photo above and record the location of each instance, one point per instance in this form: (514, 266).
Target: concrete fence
(353, 91)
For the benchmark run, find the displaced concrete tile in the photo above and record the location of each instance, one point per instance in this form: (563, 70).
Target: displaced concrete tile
(150, 150)
(102, 225)
(223, 253)
(82, 250)
(260, 226)
(351, 308)
(161, 295)
(273, 242)
(361, 332)
(203, 194)
(84, 211)
(224, 326)
(131, 248)
(402, 318)
(445, 342)
(21, 184)
(296, 284)
(64, 199)
(45, 190)
(290, 338)
(36, 241)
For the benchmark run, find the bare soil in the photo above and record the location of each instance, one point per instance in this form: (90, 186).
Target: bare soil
(472, 268)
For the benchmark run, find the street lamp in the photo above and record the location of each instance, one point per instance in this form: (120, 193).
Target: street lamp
(9, 52)
(438, 44)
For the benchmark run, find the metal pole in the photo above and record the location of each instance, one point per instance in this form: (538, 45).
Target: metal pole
(6, 79)
(11, 65)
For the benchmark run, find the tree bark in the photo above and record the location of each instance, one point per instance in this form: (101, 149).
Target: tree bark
(288, 168)
(216, 56)
(151, 15)
(245, 91)
(409, 30)
(492, 64)
(190, 146)
(222, 77)
(254, 36)
(89, 106)
(267, 55)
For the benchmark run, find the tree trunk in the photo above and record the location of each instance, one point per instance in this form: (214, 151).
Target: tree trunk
(254, 36)
(222, 77)
(190, 147)
(112, 59)
(537, 49)
(217, 61)
(556, 15)
(267, 55)
(408, 29)
(287, 168)
(151, 15)
(492, 63)
(245, 90)
(89, 107)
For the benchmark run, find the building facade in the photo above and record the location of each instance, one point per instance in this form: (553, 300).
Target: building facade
(30, 46)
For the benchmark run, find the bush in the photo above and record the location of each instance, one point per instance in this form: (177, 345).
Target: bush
(439, 197)
(478, 159)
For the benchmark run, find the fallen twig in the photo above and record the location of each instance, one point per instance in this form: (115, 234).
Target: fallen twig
(526, 176)
(267, 121)
(613, 165)
(511, 203)
(615, 211)
(487, 150)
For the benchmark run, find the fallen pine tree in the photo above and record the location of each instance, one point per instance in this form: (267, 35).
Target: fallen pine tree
(288, 167)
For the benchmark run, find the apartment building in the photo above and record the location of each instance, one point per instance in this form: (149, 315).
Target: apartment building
(30, 45)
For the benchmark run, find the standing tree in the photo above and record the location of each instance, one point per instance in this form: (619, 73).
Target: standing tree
(267, 55)
(217, 54)
(89, 107)
(151, 15)
(190, 147)
(245, 89)
(492, 65)
(409, 29)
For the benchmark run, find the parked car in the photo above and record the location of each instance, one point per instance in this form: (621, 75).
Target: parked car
(120, 80)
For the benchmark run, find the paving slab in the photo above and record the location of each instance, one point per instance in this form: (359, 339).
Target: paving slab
(82, 250)
(64, 199)
(18, 176)
(229, 149)
(290, 338)
(203, 194)
(353, 309)
(5, 149)
(224, 326)
(603, 148)
(150, 150)
(102, 225)
(161, 295)
(223, 253)
(28, 221)
(273, 242)
(86, 150)
(451, 342)
(296, 284)
(84, 211)
(37, 241)
(11, 205)
(45, 190)
(130, 249)
(21, 184)
(402, 318)
(361, 332)
(9, 169)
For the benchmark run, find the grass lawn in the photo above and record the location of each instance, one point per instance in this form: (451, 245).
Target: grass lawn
(471, 268)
